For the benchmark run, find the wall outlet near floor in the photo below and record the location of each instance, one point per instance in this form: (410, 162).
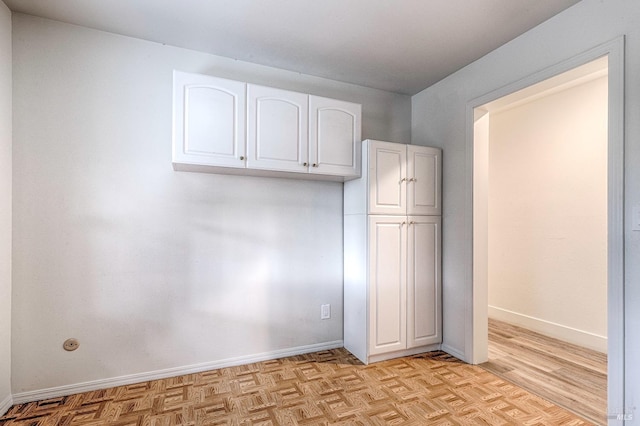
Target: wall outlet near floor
(325, 311)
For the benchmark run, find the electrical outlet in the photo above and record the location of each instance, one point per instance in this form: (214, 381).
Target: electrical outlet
(325, 311)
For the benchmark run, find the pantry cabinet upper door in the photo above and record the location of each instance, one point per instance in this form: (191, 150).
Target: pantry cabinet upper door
(334, 137)
(277, 129)
(387, 178)
(423, 180)
(209, 120)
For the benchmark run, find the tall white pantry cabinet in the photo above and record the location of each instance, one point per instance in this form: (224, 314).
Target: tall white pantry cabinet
(392, 252)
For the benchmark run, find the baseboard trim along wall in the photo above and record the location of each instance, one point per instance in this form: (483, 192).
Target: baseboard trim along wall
(551, 329)
(37, 395)
(452, 351)
(6, 404)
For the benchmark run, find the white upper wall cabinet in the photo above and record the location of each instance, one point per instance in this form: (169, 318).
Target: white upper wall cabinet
(225, 126)
(278, 131)
(334, 136)
(209, 121)
(404, 179)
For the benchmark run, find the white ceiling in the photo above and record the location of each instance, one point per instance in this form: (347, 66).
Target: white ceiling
(402, 46)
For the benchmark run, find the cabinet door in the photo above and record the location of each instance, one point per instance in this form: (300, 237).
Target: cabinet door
(387, 178)
(387, 292)
(277, 129)
(423, 180)
(423, 281)
(208, 120)
(334, 137)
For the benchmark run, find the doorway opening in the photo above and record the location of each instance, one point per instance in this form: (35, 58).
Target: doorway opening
(547, 234)
(541, 204)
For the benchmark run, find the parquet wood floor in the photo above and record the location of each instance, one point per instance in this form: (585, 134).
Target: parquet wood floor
(321, 388)
(570, 376)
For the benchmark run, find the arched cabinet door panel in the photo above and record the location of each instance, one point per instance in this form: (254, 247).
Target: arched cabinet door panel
(209, 121)
(277, 129)
(334, 136)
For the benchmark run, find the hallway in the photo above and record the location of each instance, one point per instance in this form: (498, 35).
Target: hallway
(567, 375)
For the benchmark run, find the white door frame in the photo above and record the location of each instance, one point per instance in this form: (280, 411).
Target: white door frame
(476, 298)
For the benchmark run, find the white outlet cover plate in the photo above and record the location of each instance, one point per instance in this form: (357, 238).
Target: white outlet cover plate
(325, 311)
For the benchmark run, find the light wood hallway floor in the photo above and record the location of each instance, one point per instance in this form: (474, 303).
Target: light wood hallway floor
(567, 375)
(321, 388)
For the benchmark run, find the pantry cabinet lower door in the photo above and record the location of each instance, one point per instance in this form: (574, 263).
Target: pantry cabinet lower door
(423, 281)
(387, 296)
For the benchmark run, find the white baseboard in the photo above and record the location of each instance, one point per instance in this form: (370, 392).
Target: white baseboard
(452, 351)
(5, 404)
(551, 329)
(55, 392)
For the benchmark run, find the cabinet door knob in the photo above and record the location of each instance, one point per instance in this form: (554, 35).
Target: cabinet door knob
(315, 165)
(403, 180)
(305, 164)
(242, 157)
(402, 223)
(413, 180)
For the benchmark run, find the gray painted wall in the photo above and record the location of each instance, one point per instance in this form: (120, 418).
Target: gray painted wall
(149, 268)
(439, 119)
(5, 206)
